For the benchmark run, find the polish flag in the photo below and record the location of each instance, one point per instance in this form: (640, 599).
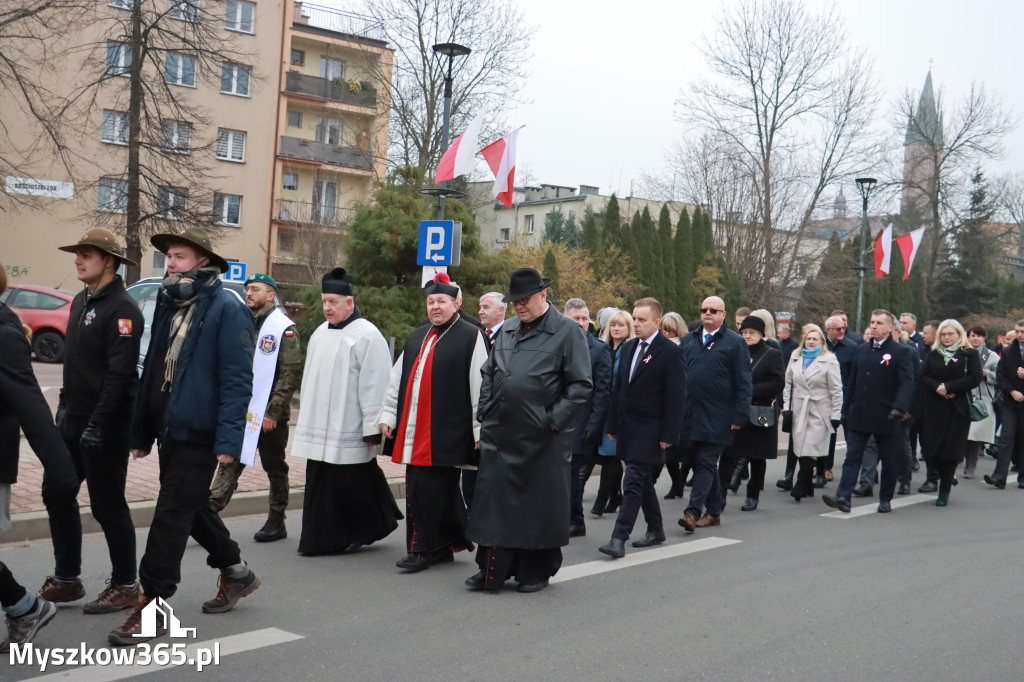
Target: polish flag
(883, 252)
(909, 244)
(458, 160)
(501, 157)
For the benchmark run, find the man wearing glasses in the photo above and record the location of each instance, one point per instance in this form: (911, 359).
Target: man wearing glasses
(718, 391)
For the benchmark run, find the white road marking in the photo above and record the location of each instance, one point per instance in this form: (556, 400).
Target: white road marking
(640, 557)
(233, 644)
(44, 389)
(872, 508)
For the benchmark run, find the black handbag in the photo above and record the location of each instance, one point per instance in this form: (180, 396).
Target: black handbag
(761, 416)
(787, 415)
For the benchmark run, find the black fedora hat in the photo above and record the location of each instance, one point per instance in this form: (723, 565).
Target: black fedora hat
(525, 282)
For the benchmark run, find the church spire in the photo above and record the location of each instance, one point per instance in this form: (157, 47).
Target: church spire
(924, 124)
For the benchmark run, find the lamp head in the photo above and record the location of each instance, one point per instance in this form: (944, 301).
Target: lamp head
(865, 185)
(451, 49)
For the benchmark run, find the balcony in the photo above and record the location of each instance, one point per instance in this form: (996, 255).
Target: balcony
(321, 152)
(332, 90)
(329, 20)
(307, 213)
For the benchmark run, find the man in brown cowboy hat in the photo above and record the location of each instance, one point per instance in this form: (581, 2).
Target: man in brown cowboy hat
(193, 397)
(93, 413)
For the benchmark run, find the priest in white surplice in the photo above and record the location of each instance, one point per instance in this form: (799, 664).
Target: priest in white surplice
(347, 503)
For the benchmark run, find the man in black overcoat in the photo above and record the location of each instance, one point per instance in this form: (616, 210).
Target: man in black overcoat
(644, 418)
(877, 401)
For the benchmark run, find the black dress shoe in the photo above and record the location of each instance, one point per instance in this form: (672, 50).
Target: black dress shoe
(917, 465)
(928, 487)
(577, 531)
(884, 507)
(956, 481)
(786, 482)
(415, 562)
(532, 587)
(749, 504)
(997, 482)
(904, 488)
(819, 482)
(476, 582)
(840, 503)
(653, 537)
(615, 548)
(1020, 484)
(864, 491)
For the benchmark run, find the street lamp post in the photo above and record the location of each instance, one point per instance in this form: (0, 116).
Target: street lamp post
(864, 185)
(450, 50)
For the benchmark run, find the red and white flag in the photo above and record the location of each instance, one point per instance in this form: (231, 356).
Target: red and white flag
(883, 252)
(909, 244)
(458, 159)
(501, 157)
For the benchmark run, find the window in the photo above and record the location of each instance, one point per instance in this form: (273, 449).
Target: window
(119, 59)
(528, 222)
(294, 119)
(227, 208)
(113, 195)
(185, 10)
(239, 16)
(328, 130)
(298, 57)
(325, 197)
(180, 69)
(37, 300)
(177, 136)
(170, 201)
(120, 4)
(504, 234)
(286, 240)
(234, 79)
(159, 260)
(115, 127)
(230, 145)
(801, 270)
(331, 68)
(291, 181)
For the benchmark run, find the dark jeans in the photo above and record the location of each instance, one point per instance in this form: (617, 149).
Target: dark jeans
(582, 467)
(182, 509)
(1010, 438)
(11, 591)
(890, 449)
(638, 493)
(271, 445)
(707, 489)
(104, 471)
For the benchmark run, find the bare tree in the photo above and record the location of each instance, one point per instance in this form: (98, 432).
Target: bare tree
(489, 78)
(133, 79)
(1009, 200)
(785, 116)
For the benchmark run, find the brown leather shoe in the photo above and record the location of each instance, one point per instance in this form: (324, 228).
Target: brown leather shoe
(688, 522)
(707, 521)
(114, 598)
(60, 592)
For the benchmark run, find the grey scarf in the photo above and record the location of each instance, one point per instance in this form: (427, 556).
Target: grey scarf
(182, 290)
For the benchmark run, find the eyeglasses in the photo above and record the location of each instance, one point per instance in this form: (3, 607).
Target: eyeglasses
(522, 301)
(711, 311)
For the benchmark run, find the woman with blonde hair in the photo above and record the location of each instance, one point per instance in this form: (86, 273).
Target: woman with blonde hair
(814, 394)
(615, 333)
(950, 371)
(673, 327)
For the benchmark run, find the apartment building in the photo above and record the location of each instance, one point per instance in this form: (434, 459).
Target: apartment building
(287, 135)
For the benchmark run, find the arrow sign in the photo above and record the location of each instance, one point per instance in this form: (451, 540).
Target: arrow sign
(435, 243)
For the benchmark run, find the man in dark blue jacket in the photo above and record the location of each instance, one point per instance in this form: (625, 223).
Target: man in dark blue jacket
(644, 419)
(193, 397)
(876, 403)
(718, 390)
(591, 419)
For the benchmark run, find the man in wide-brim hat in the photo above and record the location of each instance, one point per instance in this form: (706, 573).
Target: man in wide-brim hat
(195, 238)
(93, 412)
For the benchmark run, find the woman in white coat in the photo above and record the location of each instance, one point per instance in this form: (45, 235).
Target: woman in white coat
(982, 432)
(814, 392)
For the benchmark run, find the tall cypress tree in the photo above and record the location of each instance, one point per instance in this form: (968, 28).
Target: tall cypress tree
(668, 264)
(591, 235)
(682, 248)
(551, 271)
(648, 244)
(631, 245)
(708, 237)
(611, 228)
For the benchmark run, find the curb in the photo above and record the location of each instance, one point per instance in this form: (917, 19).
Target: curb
(36, 525)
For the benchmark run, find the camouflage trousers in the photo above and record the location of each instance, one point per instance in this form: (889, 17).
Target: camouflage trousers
(271, 448)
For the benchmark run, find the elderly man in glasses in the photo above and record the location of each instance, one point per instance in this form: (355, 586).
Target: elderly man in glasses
(718, 391)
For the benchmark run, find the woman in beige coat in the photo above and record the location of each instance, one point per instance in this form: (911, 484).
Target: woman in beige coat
(814, 392)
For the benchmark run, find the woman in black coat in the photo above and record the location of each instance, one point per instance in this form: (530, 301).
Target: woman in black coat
(757, 444)
(950, 371)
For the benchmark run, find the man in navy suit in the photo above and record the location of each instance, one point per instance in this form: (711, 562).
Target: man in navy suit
(644, 418)
(876, 403)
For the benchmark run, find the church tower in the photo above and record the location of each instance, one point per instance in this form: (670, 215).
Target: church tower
(839, 205)
(922, 147)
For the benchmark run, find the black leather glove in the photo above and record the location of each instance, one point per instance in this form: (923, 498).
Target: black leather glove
(836, 423)
(62, 420)
(92, 437)
(895, 415)
(591, 439)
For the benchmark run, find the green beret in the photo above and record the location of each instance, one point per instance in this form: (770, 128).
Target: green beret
(260, 277)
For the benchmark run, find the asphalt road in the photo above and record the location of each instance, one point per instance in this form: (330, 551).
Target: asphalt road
(923, 593)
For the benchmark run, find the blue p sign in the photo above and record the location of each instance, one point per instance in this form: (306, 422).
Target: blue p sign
(236, 272)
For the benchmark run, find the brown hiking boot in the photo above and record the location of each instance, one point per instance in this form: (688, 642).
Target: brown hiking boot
(125, 635)
(231, 586)
(272, 531)
(60, 592)
(114, 598)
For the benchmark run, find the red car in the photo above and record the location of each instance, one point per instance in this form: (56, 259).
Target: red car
(46, 312)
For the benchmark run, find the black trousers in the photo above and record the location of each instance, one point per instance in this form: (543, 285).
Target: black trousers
(638, 493)
(183, 510)
(610, 486)
(104, 471)
(435, 512)
(468, 486)
(946, 471)
(581, 468)
(11, 591)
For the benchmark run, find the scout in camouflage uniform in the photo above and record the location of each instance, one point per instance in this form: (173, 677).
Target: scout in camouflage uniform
(261, 297)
